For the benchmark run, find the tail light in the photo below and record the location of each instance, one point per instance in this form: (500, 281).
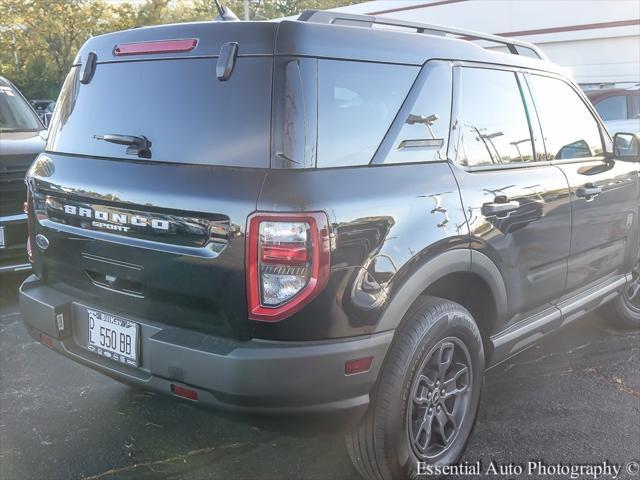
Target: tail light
(288, 262)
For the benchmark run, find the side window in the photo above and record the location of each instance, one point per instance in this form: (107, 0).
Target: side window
(569, 129)
(357, 102)
(424, 130)
(612, 108)
(493, 124)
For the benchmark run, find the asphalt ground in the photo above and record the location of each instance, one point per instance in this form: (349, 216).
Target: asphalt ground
(572, 400)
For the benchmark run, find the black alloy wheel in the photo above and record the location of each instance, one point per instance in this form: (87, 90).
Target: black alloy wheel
(440, 394)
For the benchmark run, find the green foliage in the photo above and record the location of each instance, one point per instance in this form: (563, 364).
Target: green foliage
(40, 38)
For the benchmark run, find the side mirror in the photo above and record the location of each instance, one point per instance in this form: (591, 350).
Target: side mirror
(626, 146)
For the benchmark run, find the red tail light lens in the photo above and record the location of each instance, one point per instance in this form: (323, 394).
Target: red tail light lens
(159, 46)
(45, 340)
(288, 262)
(284, 253)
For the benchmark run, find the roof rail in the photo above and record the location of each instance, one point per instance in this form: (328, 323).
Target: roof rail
(515, 47)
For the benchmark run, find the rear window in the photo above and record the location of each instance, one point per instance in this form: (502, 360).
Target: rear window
(334, 113)
(179, 105)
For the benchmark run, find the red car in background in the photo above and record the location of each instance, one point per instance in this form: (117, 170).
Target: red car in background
(618, 107)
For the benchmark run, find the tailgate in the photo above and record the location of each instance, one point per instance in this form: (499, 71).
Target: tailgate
(155, 240)
(156, 232)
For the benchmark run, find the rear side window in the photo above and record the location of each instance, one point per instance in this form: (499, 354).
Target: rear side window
(179, 105)
(334, 113)
(493, 124)
(569, 129)
(356, 104)
(612, 108)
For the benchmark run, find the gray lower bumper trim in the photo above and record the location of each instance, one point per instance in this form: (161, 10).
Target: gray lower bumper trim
(256, 376)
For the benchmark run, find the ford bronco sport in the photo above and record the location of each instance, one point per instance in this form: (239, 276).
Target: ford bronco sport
(339, 214)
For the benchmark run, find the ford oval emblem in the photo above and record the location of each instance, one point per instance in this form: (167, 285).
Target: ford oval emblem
(42, 242)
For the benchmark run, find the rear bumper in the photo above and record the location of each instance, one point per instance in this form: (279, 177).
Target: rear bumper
(13, 243)
(254, 377)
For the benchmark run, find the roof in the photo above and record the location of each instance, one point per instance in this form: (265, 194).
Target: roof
(389, 46)
(307, 38)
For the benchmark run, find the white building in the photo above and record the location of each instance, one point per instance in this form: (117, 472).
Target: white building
(597, 40)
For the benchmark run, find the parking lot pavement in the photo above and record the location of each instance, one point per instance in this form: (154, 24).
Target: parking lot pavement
(574, 399)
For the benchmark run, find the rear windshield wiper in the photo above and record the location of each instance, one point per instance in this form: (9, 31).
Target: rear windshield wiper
(137, 145)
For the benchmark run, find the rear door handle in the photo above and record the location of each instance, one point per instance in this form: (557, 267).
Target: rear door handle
(588, 192)
(500, 209)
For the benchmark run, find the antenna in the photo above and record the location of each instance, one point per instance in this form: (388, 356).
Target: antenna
(220, 9)
(225, 14)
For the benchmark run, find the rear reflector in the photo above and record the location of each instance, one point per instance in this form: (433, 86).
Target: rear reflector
(184, 392)
(45, 340)
(159, 46)
(359, 365)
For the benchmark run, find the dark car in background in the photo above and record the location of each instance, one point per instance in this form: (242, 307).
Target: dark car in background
(20, 143)
(44, 109)
(619, 108)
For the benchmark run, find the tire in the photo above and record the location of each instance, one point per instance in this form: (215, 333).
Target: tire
(406, 398)
(624, 311)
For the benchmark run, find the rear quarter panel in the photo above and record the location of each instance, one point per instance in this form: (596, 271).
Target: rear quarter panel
(386, 221)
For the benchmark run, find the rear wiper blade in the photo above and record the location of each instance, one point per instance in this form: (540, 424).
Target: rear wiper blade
(137, 145)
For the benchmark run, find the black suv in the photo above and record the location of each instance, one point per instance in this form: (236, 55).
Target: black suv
(339, 214)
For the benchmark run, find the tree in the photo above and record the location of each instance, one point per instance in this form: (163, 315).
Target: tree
(44, 39)
(40, 38)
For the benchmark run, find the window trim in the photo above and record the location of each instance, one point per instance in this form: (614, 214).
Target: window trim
(522, 75)
(390, 137)
(456, 115)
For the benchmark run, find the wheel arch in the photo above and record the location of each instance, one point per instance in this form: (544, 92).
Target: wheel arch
(434, 275)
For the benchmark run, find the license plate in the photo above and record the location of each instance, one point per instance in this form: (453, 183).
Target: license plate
(113, 337)
(1, 237)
